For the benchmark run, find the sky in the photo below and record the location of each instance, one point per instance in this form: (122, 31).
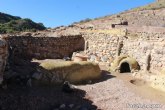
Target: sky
(53, 13)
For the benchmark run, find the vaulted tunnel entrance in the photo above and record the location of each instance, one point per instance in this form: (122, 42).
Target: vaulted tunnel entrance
(125, 68)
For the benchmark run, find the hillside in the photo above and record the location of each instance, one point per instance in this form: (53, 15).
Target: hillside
(4, 18)
(12, 24)
(153, 6)
(150, 15)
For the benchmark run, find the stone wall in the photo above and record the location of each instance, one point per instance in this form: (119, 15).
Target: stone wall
(148, 49)
(103, 45)
(45, 47)
(146, 46)
(3, 57)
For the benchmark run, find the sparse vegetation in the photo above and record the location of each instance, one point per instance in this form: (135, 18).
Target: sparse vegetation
(153, 6)
(85, 20)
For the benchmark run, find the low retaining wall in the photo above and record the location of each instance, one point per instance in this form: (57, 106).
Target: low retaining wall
(45, 47)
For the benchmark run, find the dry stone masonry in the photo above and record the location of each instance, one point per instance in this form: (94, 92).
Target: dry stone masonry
(45, 47)
(3, 57)
(103, 46)
(145, 44)
(147, 48)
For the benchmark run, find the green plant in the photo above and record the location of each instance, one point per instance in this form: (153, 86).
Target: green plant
(12, 24)
(85, 20)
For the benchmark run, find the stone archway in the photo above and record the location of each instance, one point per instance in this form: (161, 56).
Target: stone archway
(124, 63)
(125, 68)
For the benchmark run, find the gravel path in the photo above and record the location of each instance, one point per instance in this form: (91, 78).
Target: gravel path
(113, 94)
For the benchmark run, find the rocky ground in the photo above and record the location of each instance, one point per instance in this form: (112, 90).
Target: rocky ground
(117, 94)
(111, 92)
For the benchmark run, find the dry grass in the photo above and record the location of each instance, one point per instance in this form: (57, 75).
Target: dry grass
(74, 72)
(86, 71)
(52, 64)
(152, 6)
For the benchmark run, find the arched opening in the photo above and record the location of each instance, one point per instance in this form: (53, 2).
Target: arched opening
(125, 68)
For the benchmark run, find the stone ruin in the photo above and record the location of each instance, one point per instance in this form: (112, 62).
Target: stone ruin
(144, 44)
(44, 47)
(18, 51)
(130, 49)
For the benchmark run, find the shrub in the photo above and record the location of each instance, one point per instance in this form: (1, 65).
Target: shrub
(85, 20)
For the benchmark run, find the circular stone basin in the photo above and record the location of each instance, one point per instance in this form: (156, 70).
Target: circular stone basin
(138, 82)
(80, 58)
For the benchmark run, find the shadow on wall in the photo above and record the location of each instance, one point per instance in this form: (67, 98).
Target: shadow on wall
(18, 71)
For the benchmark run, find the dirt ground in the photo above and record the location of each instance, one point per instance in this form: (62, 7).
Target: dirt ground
(118, 93)
(112, 92)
